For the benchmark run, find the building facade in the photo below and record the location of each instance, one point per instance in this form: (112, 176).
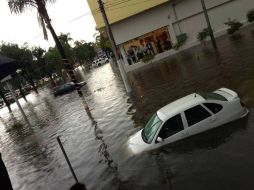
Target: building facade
(161, 23)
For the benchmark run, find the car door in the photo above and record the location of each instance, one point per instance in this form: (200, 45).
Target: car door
(217, 111)
(198, 119)
(171, 130)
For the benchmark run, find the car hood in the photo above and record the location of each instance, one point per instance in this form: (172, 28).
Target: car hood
(136, 144)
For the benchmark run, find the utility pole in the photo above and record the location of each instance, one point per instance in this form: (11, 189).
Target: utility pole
(114, 47)
(209, 26)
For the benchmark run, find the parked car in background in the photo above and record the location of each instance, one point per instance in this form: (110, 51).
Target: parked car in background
(188, 116)
(100, 61)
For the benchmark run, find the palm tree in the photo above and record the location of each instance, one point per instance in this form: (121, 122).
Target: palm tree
(19, 6)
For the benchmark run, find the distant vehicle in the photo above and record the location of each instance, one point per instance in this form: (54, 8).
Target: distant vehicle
(100, 61)
(188, 116)
(66, 88)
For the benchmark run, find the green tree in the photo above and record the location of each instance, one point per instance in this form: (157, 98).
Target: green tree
(83, 52)
(65, 40)
(19, 6)
(24, 57)
(39, 56)
(102, 42)
(53, 62)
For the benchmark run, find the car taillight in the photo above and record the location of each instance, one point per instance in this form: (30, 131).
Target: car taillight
(242, 104)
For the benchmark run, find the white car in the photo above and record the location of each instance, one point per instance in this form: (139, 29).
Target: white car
(100, 61)
(188, 116)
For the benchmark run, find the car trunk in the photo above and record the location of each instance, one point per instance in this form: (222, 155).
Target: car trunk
(227, 93)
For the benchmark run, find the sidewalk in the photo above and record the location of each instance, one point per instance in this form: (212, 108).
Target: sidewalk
(194, 47)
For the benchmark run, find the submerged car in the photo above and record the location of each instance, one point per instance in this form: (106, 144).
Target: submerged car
(66, 88)
(188, 116)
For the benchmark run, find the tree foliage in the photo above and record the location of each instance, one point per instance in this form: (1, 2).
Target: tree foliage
(22, 54)
(202, 35)
(53, 61)
(20, 6)
(24, 57)
(234, 26)
(65, 40)
(102, 41)
(83, 52)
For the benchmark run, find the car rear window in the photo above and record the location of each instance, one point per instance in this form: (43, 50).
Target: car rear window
(215, 108)
(212, 96)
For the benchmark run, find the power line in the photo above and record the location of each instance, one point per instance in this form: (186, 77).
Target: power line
(124, 7)
(109, 7)
(97, 10)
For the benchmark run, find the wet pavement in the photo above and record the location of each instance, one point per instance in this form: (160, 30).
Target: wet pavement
(218, 159)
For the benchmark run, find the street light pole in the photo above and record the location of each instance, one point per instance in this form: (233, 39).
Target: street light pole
(114, 47)
(209, 26)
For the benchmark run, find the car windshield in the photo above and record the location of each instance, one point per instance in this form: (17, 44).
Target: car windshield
(151, 128)
(212, 96)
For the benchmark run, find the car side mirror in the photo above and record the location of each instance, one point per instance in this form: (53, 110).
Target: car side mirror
(159, 139)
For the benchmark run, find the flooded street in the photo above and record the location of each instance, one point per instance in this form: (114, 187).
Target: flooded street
(218, 159)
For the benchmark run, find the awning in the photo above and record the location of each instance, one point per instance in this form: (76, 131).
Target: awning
(7, 66)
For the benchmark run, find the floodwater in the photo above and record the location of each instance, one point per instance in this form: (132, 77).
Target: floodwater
(218, 159)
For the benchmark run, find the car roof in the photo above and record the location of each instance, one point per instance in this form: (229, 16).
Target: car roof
(179, 105)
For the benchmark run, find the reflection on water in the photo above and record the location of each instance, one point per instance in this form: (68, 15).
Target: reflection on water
(217, 159)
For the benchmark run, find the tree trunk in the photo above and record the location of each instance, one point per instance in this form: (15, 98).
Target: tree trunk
(30, 80)
(52, 81)
(22, 92)
(5, 100)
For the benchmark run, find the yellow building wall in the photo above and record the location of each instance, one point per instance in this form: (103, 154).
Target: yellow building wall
(117, 10)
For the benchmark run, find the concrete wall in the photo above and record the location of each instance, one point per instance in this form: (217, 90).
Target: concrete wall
(118, 10)
(141, 24)
(190, 18)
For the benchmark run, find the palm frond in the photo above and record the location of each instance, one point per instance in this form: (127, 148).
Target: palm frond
(43, 26)
(19, 6)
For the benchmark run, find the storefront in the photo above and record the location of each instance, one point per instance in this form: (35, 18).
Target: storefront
(151, 43)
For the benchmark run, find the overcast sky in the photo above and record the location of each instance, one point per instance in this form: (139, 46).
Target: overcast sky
(66, 15)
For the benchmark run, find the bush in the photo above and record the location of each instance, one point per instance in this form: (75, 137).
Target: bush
(250, 15)
(234, 26)
(181, 39)
(203, 35)
(147, 58)
(16, 125)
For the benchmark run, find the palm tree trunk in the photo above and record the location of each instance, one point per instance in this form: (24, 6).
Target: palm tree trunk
(68, 67)
(5, 100)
